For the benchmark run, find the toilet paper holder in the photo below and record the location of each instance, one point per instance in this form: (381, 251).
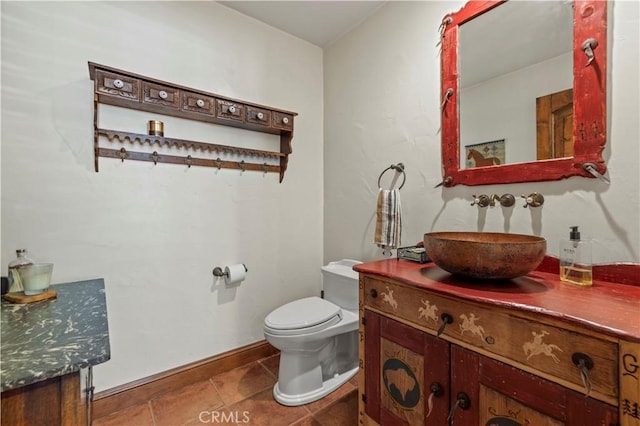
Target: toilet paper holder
(219, 272)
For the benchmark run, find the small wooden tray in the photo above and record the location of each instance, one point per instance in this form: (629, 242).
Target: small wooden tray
(20, 297)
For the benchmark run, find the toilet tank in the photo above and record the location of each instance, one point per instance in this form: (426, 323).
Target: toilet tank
(340, 283)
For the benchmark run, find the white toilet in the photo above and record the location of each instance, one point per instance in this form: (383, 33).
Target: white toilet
(317, 338)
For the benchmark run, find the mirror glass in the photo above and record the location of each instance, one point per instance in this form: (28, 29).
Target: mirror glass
(525, 45)
(523, 92)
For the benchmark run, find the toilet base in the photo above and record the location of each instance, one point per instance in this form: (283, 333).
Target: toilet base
(327, 387)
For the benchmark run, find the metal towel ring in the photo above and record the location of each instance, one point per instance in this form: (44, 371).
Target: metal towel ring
(398, 168)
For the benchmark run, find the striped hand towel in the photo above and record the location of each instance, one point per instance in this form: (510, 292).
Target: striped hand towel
(388, 222)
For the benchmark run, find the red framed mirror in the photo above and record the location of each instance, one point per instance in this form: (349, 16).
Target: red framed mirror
(587, 115)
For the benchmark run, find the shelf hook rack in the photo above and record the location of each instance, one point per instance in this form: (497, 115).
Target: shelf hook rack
(125, 89)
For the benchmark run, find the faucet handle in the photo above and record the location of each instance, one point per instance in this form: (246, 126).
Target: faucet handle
(534, 200)
(481, 200)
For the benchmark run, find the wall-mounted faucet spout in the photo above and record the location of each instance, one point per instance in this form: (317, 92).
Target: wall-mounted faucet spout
(506, 200)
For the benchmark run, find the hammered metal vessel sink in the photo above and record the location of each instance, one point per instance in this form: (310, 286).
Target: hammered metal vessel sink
(485, 255)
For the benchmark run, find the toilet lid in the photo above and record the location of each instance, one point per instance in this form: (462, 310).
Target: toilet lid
(302, 313)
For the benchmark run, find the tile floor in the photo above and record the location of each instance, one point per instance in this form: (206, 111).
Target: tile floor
(239, 397)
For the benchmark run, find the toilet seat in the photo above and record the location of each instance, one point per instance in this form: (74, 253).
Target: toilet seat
(303, 316)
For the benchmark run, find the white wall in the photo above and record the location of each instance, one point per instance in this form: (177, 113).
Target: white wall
(154, 233)
(382, 106)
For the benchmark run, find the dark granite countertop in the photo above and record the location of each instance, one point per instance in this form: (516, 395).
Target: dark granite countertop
(54, 337)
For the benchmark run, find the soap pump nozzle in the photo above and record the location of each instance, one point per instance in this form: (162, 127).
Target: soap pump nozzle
(574, 235)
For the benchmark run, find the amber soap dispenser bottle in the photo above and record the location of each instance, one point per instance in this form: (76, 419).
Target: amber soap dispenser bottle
(575, 259)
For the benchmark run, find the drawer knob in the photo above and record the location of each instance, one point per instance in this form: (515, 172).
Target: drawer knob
(436, 391)
(373, 293)
(200, 103)
(232, 109)
(118, 83)
(260, 116)
(446, 319)
(163, 94)
(463, 402)
(285, 120)
(584, 364)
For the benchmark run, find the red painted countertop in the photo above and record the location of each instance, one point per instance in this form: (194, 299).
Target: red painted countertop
(609, 308)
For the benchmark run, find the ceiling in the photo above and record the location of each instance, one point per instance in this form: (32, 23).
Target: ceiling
(513, 36)
(545, 28)
(318, 22)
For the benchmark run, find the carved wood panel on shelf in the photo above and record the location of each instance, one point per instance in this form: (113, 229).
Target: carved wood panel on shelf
(124, 89)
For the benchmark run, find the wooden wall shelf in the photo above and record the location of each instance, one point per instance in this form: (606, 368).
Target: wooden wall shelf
(124, 89)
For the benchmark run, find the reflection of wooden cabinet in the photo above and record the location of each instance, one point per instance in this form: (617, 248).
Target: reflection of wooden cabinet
(431, 354)
(554, 125)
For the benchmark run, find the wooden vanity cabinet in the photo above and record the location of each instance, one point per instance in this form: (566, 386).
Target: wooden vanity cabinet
(414, 378)
(429, 358)
(402, 364)
(499, 394)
